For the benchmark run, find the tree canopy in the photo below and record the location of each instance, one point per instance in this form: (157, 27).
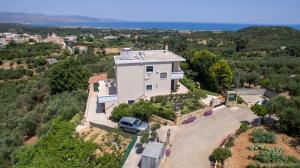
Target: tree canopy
(221, 74)
(67, 75)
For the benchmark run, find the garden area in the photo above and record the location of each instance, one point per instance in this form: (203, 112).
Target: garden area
(162, 106)
(186, 103)
(60, 148)
(260, 147)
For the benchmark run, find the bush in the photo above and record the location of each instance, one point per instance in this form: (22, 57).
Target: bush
(144, 137)
(29, 73)
(39, 62)
(166, 112)
(142, 110)
(259, 110)
(120, 111)
(155, 126)
(274, 155)
(230, 142)
(244, 127)
(262, 136)
(251, 165)
(239, 100)
(153, 135)
(220, 154)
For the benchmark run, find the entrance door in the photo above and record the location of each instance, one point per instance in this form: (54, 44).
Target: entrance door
(101, 108)
(173, 85)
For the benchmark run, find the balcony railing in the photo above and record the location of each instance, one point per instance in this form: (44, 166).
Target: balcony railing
(103, 99)
(177, 74)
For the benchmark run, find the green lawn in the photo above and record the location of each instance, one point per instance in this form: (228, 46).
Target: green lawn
(207, 92)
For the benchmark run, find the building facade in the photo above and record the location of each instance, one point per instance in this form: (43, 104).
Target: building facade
(141, 75)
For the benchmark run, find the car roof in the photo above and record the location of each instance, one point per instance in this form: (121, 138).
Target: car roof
(128, 119)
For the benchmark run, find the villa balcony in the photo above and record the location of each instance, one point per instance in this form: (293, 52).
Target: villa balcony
(178, 74)
(107, 91)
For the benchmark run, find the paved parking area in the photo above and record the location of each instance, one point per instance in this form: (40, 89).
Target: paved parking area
(193, 143)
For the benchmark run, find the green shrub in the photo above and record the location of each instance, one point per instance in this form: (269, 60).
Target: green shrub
(142, 110)
(274, 155)
(259, 110)
(29, 73)
(239, 100)
(244, 127)
(166, 112)
(251, 165)
(155, 126)
(262, 136)
(144, 137)
(39, 62)
(73, 152)
(220, 154)
(256, 147)
(153, 135)
(230, 142)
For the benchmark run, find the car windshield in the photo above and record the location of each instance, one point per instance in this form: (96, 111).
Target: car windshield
(137, 122)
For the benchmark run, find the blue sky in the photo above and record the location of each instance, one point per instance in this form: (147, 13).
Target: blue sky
(215, 11)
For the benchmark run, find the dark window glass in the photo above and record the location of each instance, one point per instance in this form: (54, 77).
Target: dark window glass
(148, 87)
(124, 123)
(149, 68)
(130, 101)
(163, 75)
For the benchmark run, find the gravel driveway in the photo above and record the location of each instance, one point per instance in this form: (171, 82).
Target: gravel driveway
(193, 143)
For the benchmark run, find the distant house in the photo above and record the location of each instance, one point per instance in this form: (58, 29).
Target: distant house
(98, 77)
(110, 37)
(81, 48)
(70, 38)
(141, 75)
(2, 42)
(51, 61)
(37, 38)
(53, 38)
(21, 38)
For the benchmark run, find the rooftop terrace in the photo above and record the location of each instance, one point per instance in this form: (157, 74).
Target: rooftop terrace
(128, 56)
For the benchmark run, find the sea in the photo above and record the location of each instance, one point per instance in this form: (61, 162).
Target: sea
(167, 25)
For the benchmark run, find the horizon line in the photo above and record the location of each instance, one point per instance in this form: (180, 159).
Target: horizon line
(122, 20)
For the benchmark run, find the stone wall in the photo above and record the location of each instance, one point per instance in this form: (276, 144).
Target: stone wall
(162, 121)
(197, 113)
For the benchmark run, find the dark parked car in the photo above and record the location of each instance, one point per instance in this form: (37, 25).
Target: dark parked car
(132, 124)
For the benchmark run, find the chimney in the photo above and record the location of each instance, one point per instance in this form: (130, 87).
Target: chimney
(166, 48)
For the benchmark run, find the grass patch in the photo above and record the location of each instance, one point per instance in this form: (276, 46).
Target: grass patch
(207, 92)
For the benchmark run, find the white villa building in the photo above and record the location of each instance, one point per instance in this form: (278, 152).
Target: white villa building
(140, 75)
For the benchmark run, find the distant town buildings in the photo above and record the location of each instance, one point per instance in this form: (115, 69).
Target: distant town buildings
(70, 39)
(53, 38)
(110, 37)
(7, 37)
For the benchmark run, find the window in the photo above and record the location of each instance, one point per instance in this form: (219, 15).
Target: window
(130, 101)
(148, 87)
(163, 75)
(124, 123)
(149, 69)
(137, 122)
(232, 97)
